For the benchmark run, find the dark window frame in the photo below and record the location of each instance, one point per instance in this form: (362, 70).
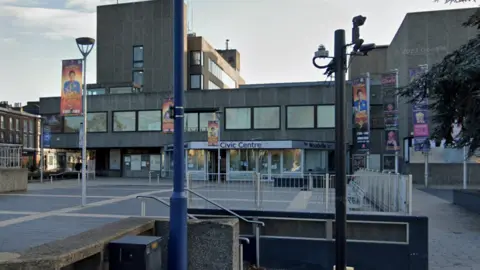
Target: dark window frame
(303, 105)
(89, 113)
(137, 118)
(133, 77)
(223, 120)
(122, 131)
(62, 122)
(192, 60)
(270, 106)
(138, 63)
(316, 116)
(201, 82)
(198, 122)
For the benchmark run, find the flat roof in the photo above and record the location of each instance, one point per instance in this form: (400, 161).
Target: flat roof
(288, 84)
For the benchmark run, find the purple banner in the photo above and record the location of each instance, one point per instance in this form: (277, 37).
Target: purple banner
(419, 115)
(390, 111)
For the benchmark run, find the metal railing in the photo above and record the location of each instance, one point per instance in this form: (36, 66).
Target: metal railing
(241, 239)
(305, 192)
(10, 155)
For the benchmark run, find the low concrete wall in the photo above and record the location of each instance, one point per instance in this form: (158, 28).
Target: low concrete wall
(13, 179)
(212, 244)
(468, 199)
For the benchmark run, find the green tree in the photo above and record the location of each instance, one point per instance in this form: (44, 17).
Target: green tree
(453, 89)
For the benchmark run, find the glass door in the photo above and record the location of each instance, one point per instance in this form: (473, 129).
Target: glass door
(263, 167)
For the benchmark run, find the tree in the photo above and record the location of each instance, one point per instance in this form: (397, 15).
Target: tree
(453, 89)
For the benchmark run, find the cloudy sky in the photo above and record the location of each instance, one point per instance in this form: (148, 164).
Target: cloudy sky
(276, 38)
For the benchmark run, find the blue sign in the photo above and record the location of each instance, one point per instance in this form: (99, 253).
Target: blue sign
(47, 136)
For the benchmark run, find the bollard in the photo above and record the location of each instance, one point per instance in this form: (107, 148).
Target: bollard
(158, 178)
(143, 208)
(150, 177)
(327, 187)
(51, 179)
(78, 178)
(240, 257)
(310, 182)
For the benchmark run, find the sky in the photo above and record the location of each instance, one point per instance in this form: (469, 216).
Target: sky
(276, 38)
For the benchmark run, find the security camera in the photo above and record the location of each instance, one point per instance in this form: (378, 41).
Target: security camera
(367, 48)
(321, 52)
(358, 20)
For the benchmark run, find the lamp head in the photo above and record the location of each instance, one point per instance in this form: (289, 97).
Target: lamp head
(85, 45)
(358, 20)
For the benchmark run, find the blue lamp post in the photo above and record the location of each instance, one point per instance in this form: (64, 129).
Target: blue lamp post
(177, 246)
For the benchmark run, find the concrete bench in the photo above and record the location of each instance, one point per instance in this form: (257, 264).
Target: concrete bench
(81, 251)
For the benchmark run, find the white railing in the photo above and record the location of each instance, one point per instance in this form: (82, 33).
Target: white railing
(366, 191)
(10, 155)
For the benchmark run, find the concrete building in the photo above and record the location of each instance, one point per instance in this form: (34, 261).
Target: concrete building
(422, 38)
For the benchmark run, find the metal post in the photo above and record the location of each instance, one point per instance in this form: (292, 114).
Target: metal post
(465, 168)
(340, 154)
(426, 168)
(84, 141)
(177, 249)
(327, 191)
(368, 161)
(219, 157)
(396, 106)
(42, 161)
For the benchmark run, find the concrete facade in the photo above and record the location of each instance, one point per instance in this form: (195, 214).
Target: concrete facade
(281, 95)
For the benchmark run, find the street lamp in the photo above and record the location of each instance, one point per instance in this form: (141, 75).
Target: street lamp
(85, 45)
(177, 246)
(218, 114)
(338, 66)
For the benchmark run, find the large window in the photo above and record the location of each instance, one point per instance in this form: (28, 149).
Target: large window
(138, 56)
(326, 116)
(25, 126)
(124, 121)
(221, 75)
(25, 140)
(137, 78)
(2, 122)
(266, 118)
(238, 118)
(292, 160)
(10, 123)
(196, 82)
(300, 117)
(150, 120)
(17, 124)
(204, 118)
(31, 127)
(72, 124)
(190, 122)
(55, 122)
(196, 160)
(96, 91)
(97, 122)
(242, 160)
(196, 58)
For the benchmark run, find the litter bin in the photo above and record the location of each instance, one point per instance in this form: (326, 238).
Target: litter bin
(135, 252)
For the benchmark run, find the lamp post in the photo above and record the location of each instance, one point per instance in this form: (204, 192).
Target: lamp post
(218, 114)
(85, 45)
(177, 246)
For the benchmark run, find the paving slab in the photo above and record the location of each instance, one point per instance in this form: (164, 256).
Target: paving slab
(39, 204)
(130, 207)
(18, 237)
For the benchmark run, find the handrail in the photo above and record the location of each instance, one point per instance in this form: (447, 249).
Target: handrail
(225, 209)
(163, 202)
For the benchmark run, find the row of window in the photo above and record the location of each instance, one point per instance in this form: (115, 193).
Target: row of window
(196, 83)
(15, 138)
(221, 75)
(28, 125)
(321, 116)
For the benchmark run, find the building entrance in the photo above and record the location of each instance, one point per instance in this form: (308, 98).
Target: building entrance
(212, 158)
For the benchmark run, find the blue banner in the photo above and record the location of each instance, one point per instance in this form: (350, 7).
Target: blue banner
(361, 112)
(47, 135)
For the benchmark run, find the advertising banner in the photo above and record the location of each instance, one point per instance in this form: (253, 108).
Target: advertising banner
(47, 135)
(213, 129)
(71, 95)
(419, 115)
(390, 110)
(167, 121)
(80, 136)
(361, 112)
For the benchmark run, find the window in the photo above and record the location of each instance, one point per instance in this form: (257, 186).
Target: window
(124, 121)
(300, 117)
(326, 116)
(31, 128)
(292, 160)
(221, 75)
(96, 91)
(31, 143)
(17, 138)
(266, 118)
(25, 140)
(17, 124)
(196, 160)
(72, 124)
(196, 81)
(212, 85)
(25, 126)
(54, 122)
(121, 90)
(238, 118)
(196, 58)
(138, 56)
(2, 122)
(10, 137)
(204, 118)
(10, 123)
(150, 120)
(137, 78)
(242, 160)
(2, 136)
(97, 122)
(191, 122)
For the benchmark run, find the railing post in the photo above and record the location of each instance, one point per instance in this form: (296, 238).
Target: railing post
(143, 209)
(149, 177)
(188, 187)
(78, 178)
(257, 243)
(51, 179)
(240, 256)
(327, 190)
(256, 179)
(409, 195)
(310, 182)
(158, 178)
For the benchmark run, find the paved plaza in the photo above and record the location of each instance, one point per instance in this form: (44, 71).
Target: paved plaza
(48, 212)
